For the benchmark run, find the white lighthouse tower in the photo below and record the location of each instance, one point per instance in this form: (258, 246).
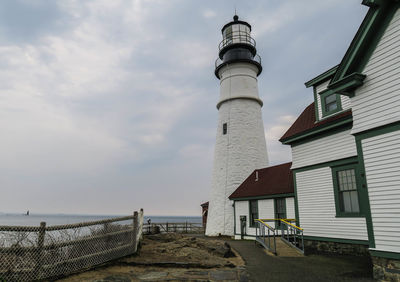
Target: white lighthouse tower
(240, 144)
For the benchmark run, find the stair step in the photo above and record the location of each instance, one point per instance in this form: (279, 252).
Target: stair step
(283, 250)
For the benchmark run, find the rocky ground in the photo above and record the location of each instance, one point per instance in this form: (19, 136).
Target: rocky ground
(173, 257)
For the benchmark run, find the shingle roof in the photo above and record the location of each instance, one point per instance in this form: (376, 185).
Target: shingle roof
(306, 122)
(271, 181)
(204, 204)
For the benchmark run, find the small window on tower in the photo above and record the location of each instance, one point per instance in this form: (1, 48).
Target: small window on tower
(224, 128)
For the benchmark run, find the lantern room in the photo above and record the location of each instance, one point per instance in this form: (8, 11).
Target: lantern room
(237, 45)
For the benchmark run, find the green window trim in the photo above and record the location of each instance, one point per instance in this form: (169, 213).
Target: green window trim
(252, 223)
(323, 95)
(336, 189)
(322, 77)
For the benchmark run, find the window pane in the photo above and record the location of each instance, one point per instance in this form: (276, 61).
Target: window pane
(280, 206)
(331, 98)
(331, 107)
(330, 103)
(348, 196)
(346, 201)
(354, 202)
(253, 212)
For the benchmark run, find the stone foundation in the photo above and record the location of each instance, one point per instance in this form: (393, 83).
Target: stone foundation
(322, 247)
(386, 269)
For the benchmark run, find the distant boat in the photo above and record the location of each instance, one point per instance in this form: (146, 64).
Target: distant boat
(27, 212)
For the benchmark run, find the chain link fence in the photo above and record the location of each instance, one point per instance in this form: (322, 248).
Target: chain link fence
(32, 253)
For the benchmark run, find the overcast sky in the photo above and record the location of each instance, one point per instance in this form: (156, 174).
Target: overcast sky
(109, 106)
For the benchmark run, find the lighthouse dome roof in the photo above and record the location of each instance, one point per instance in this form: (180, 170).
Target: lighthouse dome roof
(235, 21)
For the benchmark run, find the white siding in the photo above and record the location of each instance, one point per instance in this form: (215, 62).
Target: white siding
(377, 102)
(290, 213)
(338, 146)
(317, 208)
(241, 208)
(265, 211)
(320, 88)
(382, 166)
(266, 208)
(346, 103)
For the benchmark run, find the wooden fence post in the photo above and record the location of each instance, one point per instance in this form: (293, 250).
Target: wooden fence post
(39, 250)
(167, 227)
(135, 231)
(186, 230)
(142, 221)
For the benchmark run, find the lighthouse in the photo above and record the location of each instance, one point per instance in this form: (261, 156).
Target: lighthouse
(240, 146)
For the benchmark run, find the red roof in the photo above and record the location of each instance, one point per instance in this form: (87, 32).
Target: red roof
(204, 204)
(271, 181)
(306, 122)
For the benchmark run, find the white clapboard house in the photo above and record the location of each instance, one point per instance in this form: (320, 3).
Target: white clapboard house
(267, 193)
(346, 147)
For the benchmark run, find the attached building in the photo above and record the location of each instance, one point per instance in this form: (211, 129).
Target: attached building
(267, 193)
(346, 148)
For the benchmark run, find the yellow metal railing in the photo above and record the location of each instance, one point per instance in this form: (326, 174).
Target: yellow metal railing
(285, 220)
(262, 222)
(288, 223)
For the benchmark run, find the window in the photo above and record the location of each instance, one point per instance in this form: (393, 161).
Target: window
(330, 103)
(346, 190)
(253, 205)
(228, 35)
(280, 210)
(224, 128)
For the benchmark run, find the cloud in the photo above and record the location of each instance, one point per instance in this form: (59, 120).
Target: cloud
(277, 152)
(208, 14)
(114, 101)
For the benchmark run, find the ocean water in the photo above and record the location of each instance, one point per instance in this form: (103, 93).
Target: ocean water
(57, 219)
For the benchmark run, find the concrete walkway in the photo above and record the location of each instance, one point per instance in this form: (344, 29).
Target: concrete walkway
(262, 267)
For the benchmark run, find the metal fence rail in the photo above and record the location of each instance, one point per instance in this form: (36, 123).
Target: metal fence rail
(265, 235)
(31, 253)
(292, 235)
(176, 227)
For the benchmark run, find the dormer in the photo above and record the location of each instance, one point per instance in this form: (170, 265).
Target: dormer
(332, 98)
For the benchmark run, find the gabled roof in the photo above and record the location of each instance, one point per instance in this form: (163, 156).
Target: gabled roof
(306, 125)
(273, 180)
(347, 75)
(367, 37)
(364, 42)
(322, 77)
